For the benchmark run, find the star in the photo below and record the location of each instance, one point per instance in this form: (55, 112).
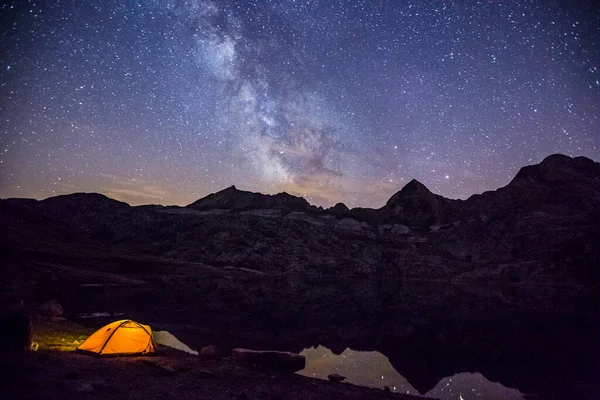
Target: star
(319, 99)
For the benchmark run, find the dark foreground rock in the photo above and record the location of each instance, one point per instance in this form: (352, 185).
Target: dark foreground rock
(336, 377)
(272, 360)
(210, 351)
(15, 332)
(47, 377)
(52, 308)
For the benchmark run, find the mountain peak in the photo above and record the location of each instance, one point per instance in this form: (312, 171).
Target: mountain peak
(339, 208)
(234, 199)
(414, 188)
(415, 205)
(557, 167)
(556, 159)
(82, 198)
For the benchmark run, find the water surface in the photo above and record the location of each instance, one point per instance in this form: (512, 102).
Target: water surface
(538, 342)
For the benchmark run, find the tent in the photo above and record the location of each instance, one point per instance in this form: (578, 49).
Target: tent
(120, 338)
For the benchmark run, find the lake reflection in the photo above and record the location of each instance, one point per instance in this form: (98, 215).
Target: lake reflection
(468, 386)
(366, 368)
(373, 369)
(541, 341)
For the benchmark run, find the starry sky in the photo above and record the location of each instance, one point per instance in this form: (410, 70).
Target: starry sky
(164, 102)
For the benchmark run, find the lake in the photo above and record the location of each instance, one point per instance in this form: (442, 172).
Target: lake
(446, 340)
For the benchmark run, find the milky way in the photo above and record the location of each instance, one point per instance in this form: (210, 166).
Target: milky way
(167, 101)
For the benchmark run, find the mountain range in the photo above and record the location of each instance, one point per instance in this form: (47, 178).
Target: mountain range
(542, 229)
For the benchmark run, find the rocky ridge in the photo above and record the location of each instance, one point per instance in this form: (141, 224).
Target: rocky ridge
(542, 228)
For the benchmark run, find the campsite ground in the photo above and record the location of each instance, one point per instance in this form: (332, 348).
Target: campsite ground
(56, 372)
(428, 331)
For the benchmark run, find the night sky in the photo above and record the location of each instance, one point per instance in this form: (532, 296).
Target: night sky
(167, 101)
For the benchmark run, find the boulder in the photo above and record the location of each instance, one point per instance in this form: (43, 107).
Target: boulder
(210, 351)
(78, 386)
(15, 331)
(336, 377)
(277, 360)
(52, 308)
(84, 387)
(349, 226)
(393, 229)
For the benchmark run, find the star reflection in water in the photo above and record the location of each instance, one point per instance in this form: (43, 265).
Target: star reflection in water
(366, 368)
(373, 369)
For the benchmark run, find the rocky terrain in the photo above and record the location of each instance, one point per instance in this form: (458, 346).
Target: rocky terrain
(540, 229)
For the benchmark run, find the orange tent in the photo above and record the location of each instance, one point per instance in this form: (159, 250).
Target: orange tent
(120, 338)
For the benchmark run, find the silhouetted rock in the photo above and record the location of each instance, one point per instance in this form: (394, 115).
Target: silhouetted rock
(349, 226)
(210, 351)
(78, 386)
(558, 185)
(51, 308)
(339, 208)
(336, 377)
(278, 360)
(15, 332)
(234, 199)
(394, 229)
(415, 205)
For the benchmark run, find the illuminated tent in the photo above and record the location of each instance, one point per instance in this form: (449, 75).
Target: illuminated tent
(120, 338)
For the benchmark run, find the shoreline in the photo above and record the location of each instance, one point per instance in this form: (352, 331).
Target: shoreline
(56, 369)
